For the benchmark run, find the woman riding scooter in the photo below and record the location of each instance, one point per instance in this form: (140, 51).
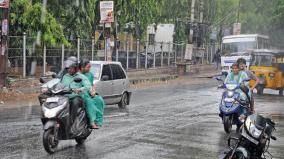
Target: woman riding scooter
(239, 76)
(95, 103)
(242, 66)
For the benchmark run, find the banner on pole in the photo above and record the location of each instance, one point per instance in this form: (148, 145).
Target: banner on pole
(237, 29)
(5, 27)
(106, 12)
(188, 52)
(4, 3)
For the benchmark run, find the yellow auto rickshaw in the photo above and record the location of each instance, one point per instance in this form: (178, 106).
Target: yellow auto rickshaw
(268, 66)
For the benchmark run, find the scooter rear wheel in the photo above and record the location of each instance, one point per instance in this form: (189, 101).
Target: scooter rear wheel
(49, 141)
(227, 121)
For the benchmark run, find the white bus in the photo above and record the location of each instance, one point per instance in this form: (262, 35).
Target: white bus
(236, 46)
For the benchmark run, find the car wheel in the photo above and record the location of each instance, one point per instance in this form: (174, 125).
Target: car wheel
(123, 102)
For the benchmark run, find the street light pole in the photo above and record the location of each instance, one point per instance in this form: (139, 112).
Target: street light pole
(116, 39)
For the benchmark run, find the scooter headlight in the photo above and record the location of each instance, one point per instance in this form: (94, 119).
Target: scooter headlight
(51, 113)
(230, 94)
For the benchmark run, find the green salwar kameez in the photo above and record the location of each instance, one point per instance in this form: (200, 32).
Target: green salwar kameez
(94, 105)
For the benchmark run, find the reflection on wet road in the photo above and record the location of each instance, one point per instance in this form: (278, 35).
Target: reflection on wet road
(172, 122)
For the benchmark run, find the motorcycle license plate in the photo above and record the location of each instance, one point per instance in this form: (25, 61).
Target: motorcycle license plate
(52, 100)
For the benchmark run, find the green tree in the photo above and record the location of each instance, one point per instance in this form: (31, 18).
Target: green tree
(256, 16)
(263, 17)
(77, 17)
(17, 9)
(36, 22)
(140, 12)
(176, 12)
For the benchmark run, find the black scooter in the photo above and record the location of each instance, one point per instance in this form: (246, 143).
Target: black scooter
(56, 119)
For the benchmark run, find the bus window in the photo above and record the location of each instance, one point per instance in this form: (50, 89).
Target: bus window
(266, 46)
(237, 47)
(261, 43)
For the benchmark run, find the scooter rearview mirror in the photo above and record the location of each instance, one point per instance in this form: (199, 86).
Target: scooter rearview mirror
(273, 138)
(42, 80)
(54, 75)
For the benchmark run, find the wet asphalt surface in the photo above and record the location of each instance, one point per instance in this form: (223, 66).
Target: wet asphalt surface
(167, 122)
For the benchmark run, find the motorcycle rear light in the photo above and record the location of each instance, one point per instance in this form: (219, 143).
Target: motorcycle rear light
(272, 74)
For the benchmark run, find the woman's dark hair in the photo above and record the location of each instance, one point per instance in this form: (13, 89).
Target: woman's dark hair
(83, 63)
(235, 64)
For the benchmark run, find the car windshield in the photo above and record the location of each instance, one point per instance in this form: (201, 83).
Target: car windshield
(96, 70)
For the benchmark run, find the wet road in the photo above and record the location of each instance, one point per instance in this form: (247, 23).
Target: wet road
(169, 122)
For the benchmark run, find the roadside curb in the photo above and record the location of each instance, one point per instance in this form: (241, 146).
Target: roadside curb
(135, 77)
(152, 79)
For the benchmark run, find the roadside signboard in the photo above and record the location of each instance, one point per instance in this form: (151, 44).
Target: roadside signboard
(5, 27)
(237, 29)
(188, 52)
(106, 12)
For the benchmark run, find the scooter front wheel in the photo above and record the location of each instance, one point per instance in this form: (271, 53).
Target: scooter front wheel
(236, 155)
(227, 121)
(49, 141)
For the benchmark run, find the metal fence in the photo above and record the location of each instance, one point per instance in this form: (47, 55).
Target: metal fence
(28, 59)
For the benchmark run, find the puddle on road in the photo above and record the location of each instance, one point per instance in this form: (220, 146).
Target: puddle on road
(19, 114)
(277, 117)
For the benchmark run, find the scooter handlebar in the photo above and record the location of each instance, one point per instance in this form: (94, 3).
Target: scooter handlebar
(243, 104)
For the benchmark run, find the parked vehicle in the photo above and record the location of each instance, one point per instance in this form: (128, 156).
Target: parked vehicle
(254, 141)
(111, 82)
(231, 104)
(268, 66)
(57, 122)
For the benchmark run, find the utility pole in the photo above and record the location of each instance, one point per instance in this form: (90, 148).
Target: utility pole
(238, 18)
(191, 21)
(4, 6)
(201, 11)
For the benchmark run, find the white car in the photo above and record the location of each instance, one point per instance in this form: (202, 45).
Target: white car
(111, 82)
